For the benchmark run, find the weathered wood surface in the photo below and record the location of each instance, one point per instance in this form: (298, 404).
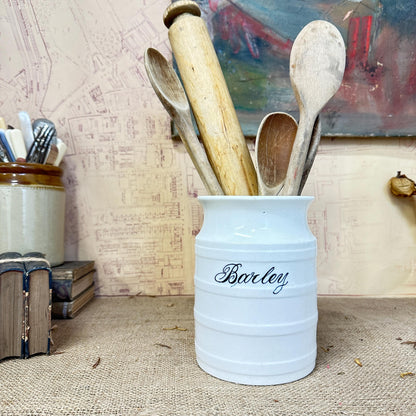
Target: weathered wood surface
(169, 89)
(317, 63)
(210, 99)
(274, 142)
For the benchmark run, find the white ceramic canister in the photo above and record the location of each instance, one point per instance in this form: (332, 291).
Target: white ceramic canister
(32, 210)
(255, 289)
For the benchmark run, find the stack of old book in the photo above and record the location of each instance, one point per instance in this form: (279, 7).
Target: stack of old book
(72, 287)
(25, 305)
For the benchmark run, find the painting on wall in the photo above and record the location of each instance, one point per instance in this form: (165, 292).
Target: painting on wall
(253, 39)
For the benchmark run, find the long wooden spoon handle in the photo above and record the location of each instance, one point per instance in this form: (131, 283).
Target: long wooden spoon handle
(313, 148)
(298, 156)
(198, 156)
(210, 99)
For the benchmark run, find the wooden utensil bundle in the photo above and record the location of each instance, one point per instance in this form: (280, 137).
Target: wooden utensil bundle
(317, 65)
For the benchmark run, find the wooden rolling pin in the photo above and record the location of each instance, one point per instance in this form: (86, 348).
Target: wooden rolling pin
(210, 99)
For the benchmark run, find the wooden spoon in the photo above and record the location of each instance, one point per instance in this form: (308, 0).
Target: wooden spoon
(273, 146)
(169, 89)
(313, 148)
(317, 63)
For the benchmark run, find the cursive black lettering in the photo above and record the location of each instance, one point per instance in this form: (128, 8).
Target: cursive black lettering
(267, 278)
(282, 282)
(247, 277)
(231, 274)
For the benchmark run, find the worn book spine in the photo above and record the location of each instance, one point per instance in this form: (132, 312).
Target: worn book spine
(69, 309)
(67, 289)
(73, 270)
(38, 290)
(12, 305)
(30, 313)
(26, 327)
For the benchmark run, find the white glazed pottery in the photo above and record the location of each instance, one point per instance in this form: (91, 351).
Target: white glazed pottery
(255, 289)
(32, 210)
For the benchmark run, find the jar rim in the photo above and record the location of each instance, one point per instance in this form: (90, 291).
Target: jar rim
(31, 168)
(30, 174)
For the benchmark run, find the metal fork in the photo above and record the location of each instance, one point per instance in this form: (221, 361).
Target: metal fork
(44, 133)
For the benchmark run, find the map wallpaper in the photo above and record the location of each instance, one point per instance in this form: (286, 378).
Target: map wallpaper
(132, 190)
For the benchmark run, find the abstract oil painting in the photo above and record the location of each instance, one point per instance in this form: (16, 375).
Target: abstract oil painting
(253, 39)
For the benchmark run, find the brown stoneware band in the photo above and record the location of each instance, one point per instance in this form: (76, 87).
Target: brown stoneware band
(30, 174)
